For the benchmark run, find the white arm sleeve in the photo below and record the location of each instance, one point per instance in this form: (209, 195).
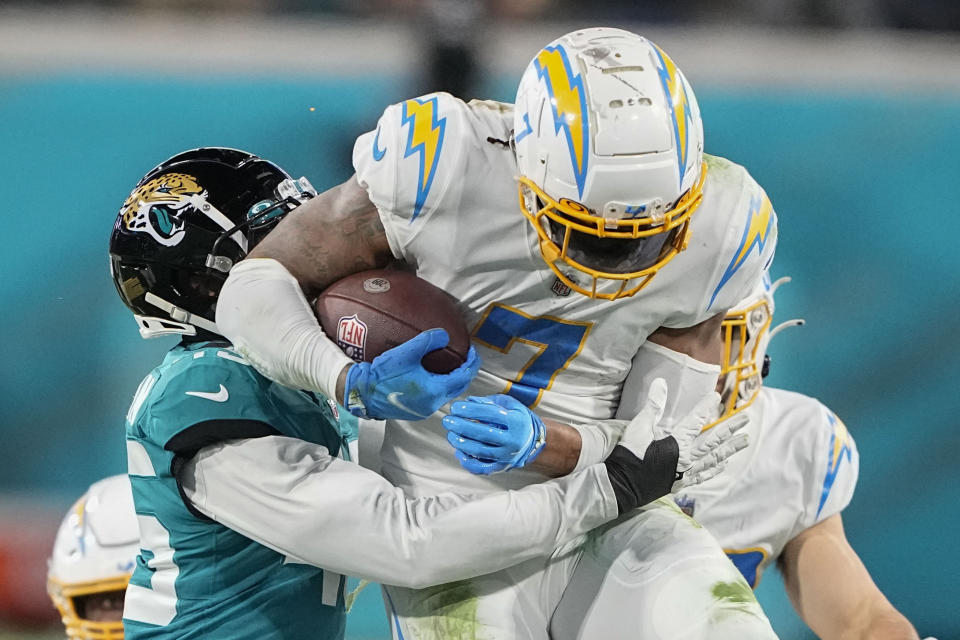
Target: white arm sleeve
(688, 381)
(263, 312)
(297, 499)
(597, 440)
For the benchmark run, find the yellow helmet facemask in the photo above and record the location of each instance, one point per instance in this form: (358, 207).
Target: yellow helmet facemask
(741, 372)
(746, 334)
(65, 597)
(566, 228)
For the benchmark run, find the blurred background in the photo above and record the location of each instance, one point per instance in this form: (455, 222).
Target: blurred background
(846, 111)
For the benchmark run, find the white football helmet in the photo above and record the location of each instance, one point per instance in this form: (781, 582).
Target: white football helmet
(609, 148)
(746, 335)
(94, 554)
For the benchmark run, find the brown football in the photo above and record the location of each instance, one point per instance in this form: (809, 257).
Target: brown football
(370, 312)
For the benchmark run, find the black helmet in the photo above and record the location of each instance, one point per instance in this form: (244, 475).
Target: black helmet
(186, 223)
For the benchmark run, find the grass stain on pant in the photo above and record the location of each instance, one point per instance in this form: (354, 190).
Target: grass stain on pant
(447, 612)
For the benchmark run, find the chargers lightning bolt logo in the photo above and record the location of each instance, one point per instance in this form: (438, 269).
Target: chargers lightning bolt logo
(79, 523)
(378, 153)
(840, 447)
(425, 136)
(760, 219)
(676, 90)
(569, 102)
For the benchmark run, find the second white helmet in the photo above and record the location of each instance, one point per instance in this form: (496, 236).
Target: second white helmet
(609, 146)
(93, 557)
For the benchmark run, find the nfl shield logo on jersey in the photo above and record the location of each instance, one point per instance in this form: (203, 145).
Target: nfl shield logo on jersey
(559, 288)
(352, 336)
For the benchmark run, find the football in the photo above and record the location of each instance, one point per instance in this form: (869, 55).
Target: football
(370, 312)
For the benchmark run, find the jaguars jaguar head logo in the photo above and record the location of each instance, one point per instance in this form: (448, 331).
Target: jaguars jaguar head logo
(154, 207)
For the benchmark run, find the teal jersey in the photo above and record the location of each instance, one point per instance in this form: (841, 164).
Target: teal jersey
(195, 578)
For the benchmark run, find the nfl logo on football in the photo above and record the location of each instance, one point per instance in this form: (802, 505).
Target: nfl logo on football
(352, 336)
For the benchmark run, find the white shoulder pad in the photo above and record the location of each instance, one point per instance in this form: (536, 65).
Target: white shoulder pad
(738, 213)
(408, 163)
(823, 450)
(837, 465)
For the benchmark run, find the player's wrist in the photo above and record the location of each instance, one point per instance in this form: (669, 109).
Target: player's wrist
(537, 441)
(561, 451)
(340, 387)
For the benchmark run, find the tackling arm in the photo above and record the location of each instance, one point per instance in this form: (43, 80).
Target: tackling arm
(561, 450)
(347, 519)
(342, 517)
(832, 590)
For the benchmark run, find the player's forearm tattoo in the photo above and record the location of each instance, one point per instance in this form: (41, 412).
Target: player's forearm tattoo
(337, 233)
(361, 232)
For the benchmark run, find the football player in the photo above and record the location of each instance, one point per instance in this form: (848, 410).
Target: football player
(240, 492)
(93, 556)
(572, 227)
(782, 499)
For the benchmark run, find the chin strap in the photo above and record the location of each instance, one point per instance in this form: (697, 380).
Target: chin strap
(154, 327)
(184, 321)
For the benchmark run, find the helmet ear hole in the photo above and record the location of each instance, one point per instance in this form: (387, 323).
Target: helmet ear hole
(197, 291)
(200, 286)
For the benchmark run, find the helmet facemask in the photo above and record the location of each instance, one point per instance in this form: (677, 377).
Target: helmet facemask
(741, 370)
(628, 251)
(74, 600)
(746, 335)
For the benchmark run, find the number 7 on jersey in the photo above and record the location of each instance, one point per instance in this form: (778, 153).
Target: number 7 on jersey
(557, 343)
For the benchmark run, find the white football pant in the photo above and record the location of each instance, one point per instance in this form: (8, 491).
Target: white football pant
(652, 574)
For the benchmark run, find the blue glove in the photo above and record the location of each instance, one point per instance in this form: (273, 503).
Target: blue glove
(494, 433)
(395, 385)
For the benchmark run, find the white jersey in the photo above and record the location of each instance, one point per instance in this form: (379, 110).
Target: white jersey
(800, 468)
(442, 176)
